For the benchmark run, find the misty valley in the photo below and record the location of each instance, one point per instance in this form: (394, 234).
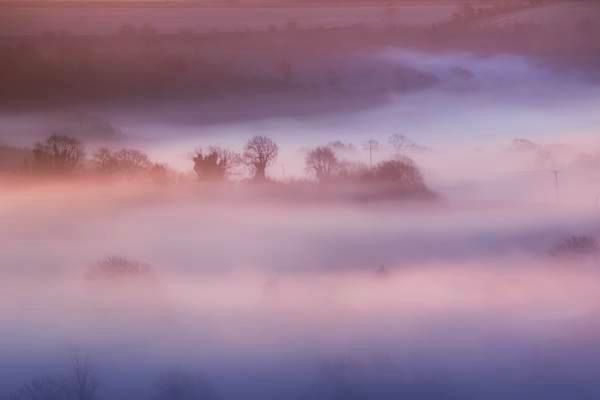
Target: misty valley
(312, 200)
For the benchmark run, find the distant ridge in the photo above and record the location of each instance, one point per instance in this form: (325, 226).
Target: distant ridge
(217, 3)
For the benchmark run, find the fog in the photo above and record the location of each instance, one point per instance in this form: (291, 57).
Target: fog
(292, 299)
(479, 281)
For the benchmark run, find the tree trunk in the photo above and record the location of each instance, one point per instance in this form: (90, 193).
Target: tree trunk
(260, 173)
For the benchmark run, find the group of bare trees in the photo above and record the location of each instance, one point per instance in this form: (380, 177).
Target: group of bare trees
(61, 155)
(326, 167)
(80, 384)
(58, 155)
(323, 163)
(125, 160)
(215, 164)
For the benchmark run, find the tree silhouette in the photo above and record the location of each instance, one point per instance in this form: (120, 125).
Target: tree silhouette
(124, 161)
(401, 144)
(58, 154)
(80, 384)
(160, 173)
(401, 173)
(259, 153)
(214, 164)
(323, 162)
(339, 146)
(42, 389)
(104, 161)
(83, 380)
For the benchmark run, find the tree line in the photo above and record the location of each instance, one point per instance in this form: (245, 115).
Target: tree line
(81, 383)
(63, 156)
(321, 163)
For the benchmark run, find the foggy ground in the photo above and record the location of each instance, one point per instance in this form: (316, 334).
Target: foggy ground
(265, 298)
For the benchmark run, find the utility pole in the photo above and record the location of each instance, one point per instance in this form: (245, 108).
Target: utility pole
(371, 145)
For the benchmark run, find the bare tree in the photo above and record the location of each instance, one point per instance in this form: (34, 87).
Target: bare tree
(42, 389)
(402, 145)
(83, 380)
(323, 162)
(58, 154)
(215, 164)
(339, 146)
(124, 161)
(259, 153)
(104, 161)
(80, 385)
(131, 160)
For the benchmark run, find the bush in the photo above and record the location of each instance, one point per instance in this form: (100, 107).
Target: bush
(215, 164)
(576, 246)
(118, 269)
(401, 172)
(387, 180)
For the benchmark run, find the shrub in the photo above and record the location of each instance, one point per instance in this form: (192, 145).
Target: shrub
(215, 164)
(118, 269)
(392, 176)
(576, 246)
(402, 172)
